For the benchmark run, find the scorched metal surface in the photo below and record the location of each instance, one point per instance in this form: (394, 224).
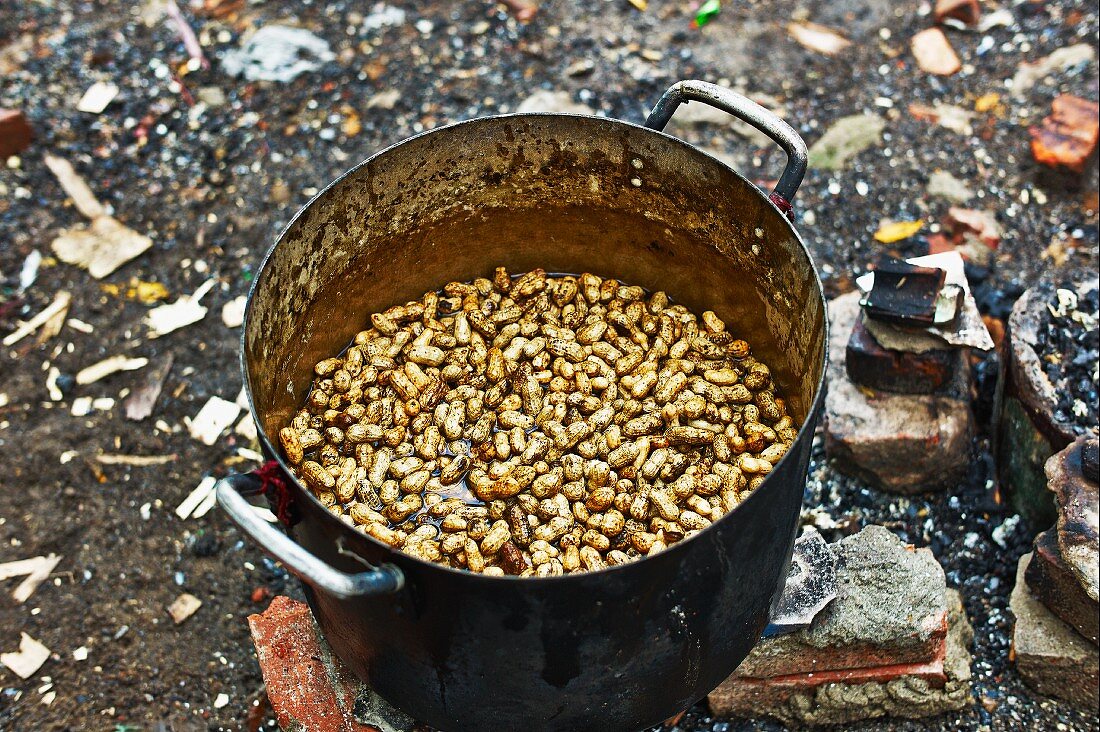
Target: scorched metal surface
(618, 649)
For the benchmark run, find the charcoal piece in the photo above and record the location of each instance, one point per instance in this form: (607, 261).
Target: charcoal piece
(904, 293)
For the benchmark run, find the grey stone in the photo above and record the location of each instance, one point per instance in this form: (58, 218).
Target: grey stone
(910, 695)
(904, 443)
(1051, 656)
(889, 609)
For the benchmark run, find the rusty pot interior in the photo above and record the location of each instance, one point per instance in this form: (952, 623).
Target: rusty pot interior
(566, 193)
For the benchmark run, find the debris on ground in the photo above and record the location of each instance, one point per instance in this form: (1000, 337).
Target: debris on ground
(198, 501)
(104, 245)
(278, 53)
(58, 307)
(558, 102)
(845, 139)
(942, 184)
(895, 231)
(97, 97)
(213, 419)
(233, 312)
(893, 642)
(184, 607)
(948, 116)
(1067, 138)
(139, 404)
(818, 38)
(934, 53)
(1064, 58)
(36, 569)
(966, 12)
(810, 586)
(188, 309)
(15, 132)
(25, 662)
(108, 366)
(140, 461)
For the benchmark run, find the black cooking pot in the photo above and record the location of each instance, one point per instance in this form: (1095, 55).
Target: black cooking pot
(617, 649)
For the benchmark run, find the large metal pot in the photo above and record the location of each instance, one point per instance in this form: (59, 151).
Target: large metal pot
(617, 649)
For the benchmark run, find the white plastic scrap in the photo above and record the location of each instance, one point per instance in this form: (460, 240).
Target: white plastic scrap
(28, 659)
(29, 273)
(202, 491)
(98, 96)
(108, 366)
(36, 569)
(278, 53)
(213, 419)
(184, 311)
(233, 312)
(80, 654)
(221, 700)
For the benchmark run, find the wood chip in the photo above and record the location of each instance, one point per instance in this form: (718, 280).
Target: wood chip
(60, 304)
(934, 53)
(108, 366)
(28, 659)
(76, 188)
(185, 311)
(184, 607)
(818, 38)
(141, 401)
(202, 491)
(135, 460)
(213, 419)
(37, 570)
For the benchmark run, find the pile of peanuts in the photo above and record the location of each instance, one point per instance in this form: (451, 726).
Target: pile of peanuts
(538, 425)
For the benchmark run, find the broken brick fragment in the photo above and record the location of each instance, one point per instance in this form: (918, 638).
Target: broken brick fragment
(964, 11)
(15, 133)
(893, 642)
(1068, 137)
(309, 688)
(1053, 582)
(934, 53)
(904, 372)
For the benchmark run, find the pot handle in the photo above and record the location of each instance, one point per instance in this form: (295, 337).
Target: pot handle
(379, 581)
(749, 111)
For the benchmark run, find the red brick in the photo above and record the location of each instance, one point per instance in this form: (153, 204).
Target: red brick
(15, 133)
(1069, 135)
(309, 688)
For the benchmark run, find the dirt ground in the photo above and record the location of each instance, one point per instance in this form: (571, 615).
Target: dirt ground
(212, 166)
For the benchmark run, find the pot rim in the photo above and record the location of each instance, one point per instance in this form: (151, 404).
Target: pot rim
(677, 548)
